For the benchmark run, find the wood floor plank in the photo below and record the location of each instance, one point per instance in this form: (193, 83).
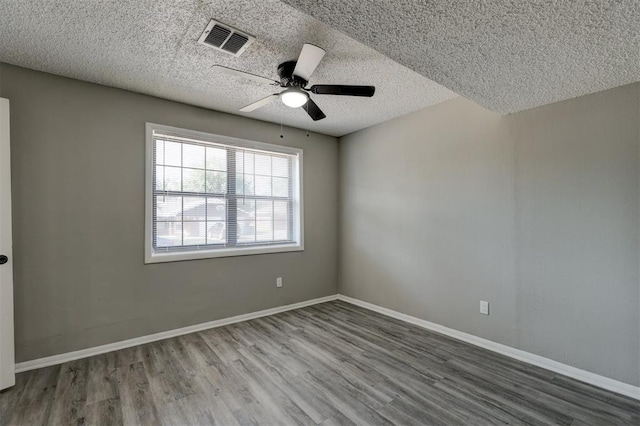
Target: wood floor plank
(136, 400)
(305, 401)
(235, 391)
(483, 409)
(328, 364)
(9, 398)
(126, 357)
(102, 382)
(550, 398)
(105, 411)
(208, 399)
(222, 343)
(70, 398)
(610, 399)
(37, 396)
(526, 409)
(338, 420)
(167, 379)
(277, 406)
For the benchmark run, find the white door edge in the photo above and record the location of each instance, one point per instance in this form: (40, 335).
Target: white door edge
(7, 351)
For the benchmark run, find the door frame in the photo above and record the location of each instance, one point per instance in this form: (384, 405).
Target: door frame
(7, 350)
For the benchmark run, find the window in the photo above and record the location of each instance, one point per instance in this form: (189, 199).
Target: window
(212, 196)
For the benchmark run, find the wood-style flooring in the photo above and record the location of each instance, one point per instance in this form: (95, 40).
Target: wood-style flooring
(327, 364)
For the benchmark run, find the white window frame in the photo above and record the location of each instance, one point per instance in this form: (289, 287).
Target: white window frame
(151, 256)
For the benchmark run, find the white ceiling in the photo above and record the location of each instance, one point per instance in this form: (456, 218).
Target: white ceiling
(151, 47)
(507, 55)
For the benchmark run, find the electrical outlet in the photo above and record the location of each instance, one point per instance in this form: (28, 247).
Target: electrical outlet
(279, 282)
(484, 307)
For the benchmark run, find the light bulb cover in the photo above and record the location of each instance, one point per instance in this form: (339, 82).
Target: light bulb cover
(294, 98)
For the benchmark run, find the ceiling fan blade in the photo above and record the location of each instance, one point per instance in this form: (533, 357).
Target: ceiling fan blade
(337, 89)
(248, 75)
(309, 58)
(313, 110)
(262, 102)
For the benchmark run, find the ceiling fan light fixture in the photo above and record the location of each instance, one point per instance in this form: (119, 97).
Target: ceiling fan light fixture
(294, 98)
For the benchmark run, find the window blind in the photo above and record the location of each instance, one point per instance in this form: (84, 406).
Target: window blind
(213, 195)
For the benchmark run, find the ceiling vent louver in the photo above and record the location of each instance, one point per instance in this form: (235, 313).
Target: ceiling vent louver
(225, 38)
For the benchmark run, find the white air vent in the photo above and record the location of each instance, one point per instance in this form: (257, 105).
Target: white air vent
(225, 38)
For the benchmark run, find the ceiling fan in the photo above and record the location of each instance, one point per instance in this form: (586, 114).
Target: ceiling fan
(294, 77)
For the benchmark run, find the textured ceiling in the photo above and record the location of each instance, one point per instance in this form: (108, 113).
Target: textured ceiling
(151, 47)
(507, 55)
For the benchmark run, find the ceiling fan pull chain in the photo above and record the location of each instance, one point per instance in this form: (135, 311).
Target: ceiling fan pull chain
(281, 132)
(307, 106)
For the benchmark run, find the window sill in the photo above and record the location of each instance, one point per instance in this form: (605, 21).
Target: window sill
(227, 252)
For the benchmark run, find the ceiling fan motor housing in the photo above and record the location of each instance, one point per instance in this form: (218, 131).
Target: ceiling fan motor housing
(287, 79)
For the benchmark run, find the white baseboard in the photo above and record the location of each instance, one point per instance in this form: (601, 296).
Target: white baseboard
(97, 350)
(539, 361)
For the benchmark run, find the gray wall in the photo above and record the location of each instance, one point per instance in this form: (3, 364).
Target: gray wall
(78, 220)
(536, 212)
